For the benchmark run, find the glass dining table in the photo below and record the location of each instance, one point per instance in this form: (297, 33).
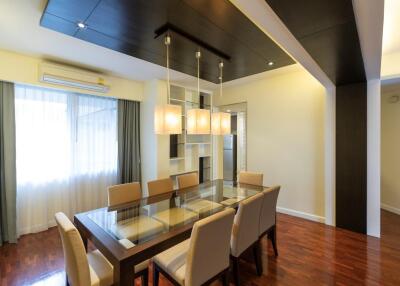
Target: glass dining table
(130, 233)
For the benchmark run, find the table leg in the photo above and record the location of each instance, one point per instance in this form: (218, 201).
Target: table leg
(85, 242)
(84, 238)
(124, 275)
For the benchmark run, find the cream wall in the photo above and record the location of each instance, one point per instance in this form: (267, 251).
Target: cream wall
(390, 65)
(285, 137)
(390, 152)
(154, 148)
(24, 69)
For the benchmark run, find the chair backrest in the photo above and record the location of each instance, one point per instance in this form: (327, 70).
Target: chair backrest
(160, 186)
(268, 209)
(209, 249)
(76, 262)
(124, 193)
(188, 180)
(251, 178)
(246, 225)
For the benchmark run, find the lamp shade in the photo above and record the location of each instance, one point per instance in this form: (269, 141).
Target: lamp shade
(168, 119)
(220, 123)
(198, 121)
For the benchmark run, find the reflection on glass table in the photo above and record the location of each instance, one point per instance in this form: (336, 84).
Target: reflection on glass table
(146, 219)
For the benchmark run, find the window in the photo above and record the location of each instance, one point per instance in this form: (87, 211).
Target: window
(67, 153)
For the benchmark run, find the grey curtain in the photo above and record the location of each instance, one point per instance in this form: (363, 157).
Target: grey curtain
(8, 181)
(128, 141)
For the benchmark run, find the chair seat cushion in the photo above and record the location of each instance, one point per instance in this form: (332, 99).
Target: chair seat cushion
(202, 206)
(101, 270)
(231, 201)
(173, 261)
(129, 244)
(230, 192)
(137, 228)
(175, 216)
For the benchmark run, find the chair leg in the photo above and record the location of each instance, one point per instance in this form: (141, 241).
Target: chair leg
(257, 257)
(225, 278)
(156, 275)
(235, 264)
(145, 278)
(272, 237)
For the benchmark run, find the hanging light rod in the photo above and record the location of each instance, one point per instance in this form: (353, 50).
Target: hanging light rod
(168, 117)
(171, 28)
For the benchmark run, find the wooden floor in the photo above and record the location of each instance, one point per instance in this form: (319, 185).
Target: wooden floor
(309, 254)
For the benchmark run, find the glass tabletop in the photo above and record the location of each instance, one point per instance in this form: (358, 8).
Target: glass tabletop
(143, 220)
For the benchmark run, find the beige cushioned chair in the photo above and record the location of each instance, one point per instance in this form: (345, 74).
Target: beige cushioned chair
(245, 232)
(198, 205)
(202, 258)
(133, 228)
(87, 269)
(175, 217)
(203, 207)
(268, 215)
(170, 217)
(160, 186)
(124, 193)
(137, 228)
(188, 180)
(251, 178)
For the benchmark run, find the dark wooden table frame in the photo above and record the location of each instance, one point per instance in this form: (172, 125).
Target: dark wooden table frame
(124, 260)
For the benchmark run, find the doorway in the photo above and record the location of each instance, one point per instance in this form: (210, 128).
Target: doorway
(234, 145)
(390, 142)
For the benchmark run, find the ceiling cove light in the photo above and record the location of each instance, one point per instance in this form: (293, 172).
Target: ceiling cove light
(168, 117)
(220, 121)
(198, 120)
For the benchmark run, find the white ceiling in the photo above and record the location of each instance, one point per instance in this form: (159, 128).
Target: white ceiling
(391, 27)
(20, 32)
(369, 16)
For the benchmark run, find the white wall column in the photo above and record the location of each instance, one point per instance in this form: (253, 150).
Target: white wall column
(374, 157)
(330, 156)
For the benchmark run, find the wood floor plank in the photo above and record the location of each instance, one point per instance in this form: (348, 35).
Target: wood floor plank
(309, 254)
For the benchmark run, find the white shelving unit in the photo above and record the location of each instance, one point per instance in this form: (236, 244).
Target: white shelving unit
(156, 159)
(186, 150)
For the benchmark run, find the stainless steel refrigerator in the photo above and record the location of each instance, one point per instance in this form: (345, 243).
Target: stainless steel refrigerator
(230, 160)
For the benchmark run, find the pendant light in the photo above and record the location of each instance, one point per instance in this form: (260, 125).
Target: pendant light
(198, 120)
(168, 117)
(220, 121)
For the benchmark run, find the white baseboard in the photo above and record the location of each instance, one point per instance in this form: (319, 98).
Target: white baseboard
(390, 208)
(301, 214)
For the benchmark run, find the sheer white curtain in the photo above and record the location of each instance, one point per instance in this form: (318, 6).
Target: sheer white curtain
(66, 154)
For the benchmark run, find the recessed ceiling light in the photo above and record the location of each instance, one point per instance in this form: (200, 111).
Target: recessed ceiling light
(228, 110)
(81, 25)
(270, 64)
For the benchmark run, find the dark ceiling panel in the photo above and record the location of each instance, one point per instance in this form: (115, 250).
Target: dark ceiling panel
(129, 26)
(328, 31)
(59, 24)
(74, 15)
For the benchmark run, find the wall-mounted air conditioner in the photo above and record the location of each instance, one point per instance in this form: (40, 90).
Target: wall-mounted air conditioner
(72, 77)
